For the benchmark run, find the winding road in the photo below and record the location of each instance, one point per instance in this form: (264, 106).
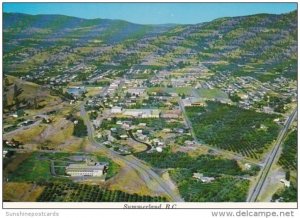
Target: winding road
(149, 147)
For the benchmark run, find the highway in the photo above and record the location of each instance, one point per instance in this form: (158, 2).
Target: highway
(254, 194)
(153, 181)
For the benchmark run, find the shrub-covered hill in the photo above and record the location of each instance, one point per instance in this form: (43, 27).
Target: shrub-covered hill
(263, 45)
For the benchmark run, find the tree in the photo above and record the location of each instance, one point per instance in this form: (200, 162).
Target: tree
(17, 93)
(234, 97)
(6, 82)
(35, 104)
(288, 175)
(4, 101)
(80, 129)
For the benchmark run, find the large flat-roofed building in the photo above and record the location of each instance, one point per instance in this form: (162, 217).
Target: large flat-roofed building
(136, 91)
(142, 113)
(171, 114)
(116, 110)
(189, 102)
(85, 169)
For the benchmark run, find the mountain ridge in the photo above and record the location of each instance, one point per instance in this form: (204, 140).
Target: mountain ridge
(262, 41)
(99, 18)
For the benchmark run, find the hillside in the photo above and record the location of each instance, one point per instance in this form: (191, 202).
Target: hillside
(19, 94)
(264, 45)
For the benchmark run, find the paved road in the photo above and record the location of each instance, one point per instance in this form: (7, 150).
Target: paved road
(254, 194)
(153, 180)
(22, 128)
(149, 147)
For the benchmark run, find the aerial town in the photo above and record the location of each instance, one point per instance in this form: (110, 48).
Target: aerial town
(175, 113)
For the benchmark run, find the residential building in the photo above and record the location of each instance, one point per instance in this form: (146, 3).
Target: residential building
(202, 178)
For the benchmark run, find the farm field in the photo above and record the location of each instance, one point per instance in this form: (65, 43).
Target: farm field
(74, 192)
(288, 157)
(251, 133)
(226, 173)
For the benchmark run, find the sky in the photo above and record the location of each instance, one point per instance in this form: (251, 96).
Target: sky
(152, 13)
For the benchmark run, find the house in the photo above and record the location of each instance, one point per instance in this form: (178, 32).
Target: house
(204, 179)
(142, 137)
(142, 124)
(123, 136)
(94, 169)
(189, 143)
(171, 114)
(159, 149)
(268, 110)
(4, 153)
(119, 122)
(285, 182)
(167, 130)
(248, 166)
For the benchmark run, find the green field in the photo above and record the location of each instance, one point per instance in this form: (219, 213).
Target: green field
(187, 91)
(232, 128)
(180, 90)
(211, 93)
(288, 157)
(222, 189)
(32, 169)
(227, 186)
(287, 194)
(74, 192)
(208, 164)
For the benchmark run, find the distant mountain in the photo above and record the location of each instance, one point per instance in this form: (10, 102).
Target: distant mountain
(18, 26)
(263, 45)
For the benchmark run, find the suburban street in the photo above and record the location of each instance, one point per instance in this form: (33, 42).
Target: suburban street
(254, 194)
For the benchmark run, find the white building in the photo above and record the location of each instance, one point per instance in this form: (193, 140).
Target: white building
(123, 136)
(192, 101)
(136, 91)
(204, 179)
(142, 113)
(285, 182)
(95, 170)
(159, 149)
(116, 110)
